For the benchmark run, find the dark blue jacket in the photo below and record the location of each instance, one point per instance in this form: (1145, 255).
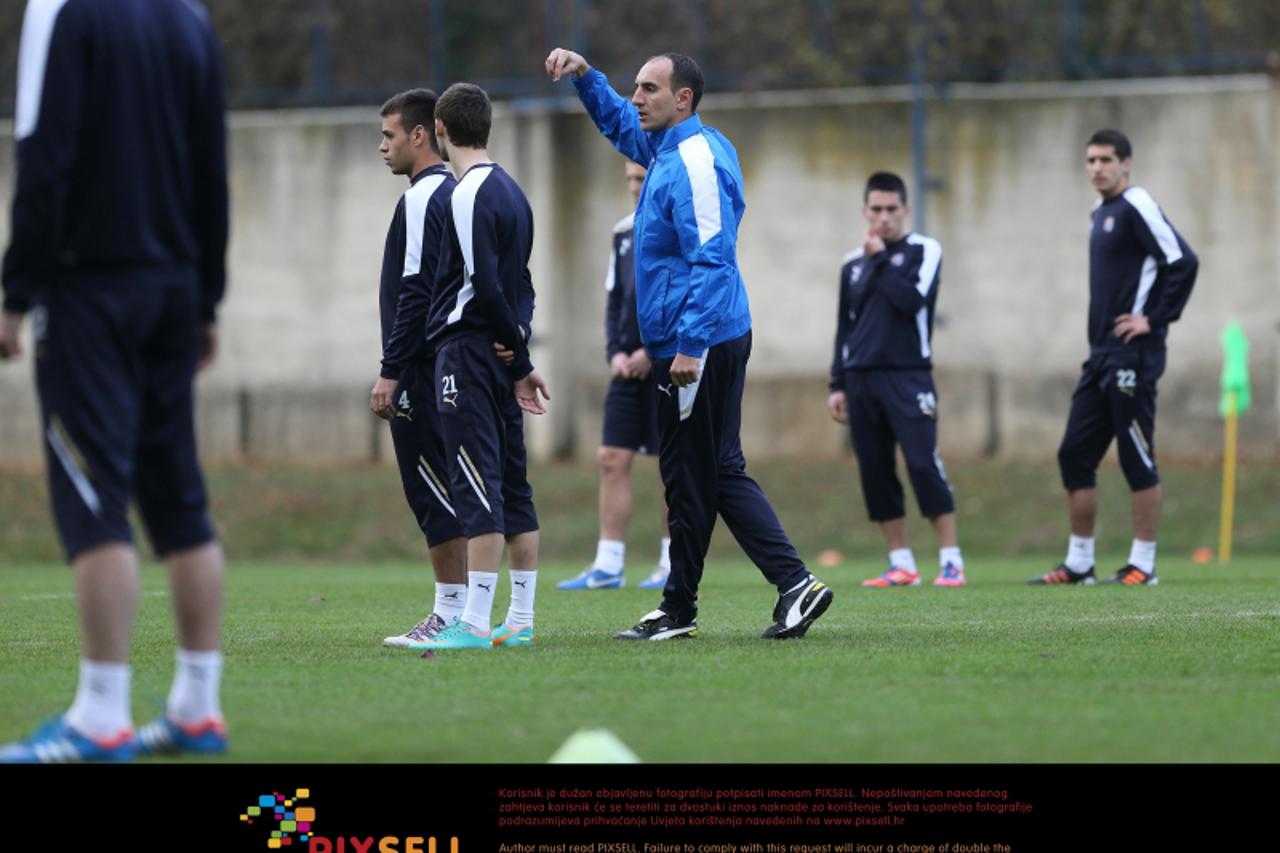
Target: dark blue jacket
(409, 263)
(121, 146)
(1137, 265)
(621, 326)
(482, 281)
(886, 308)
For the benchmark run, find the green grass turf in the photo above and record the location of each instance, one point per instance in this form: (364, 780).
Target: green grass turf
(996, 672)
(1004, 508)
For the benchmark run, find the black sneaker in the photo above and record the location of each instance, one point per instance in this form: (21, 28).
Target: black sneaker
(1131, 575)
(1062, 575)
(659, 626)
(797, 610)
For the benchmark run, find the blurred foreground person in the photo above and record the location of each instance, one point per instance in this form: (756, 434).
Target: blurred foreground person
(119, 237)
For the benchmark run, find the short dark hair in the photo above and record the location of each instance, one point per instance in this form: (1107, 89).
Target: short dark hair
(685, 74)
(885, 182)
(1115, 139)
(415, 107)
(466, 113)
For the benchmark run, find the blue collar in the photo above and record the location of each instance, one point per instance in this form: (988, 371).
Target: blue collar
(437, 169)
(673, 136)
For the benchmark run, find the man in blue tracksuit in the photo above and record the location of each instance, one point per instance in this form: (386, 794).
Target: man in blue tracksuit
(695, 323)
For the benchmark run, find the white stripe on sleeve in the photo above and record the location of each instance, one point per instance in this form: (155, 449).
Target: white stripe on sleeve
(33, 59)
(1146, 280)
(622, 226)
(416, 199)
(929, 266)
(611, 277)
(1160, 229)
(464, 209)
(922, 329)
(701, 166)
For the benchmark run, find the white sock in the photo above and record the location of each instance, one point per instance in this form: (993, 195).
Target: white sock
(451, 600)
(479, 611)
(1079, 554)
(523, 587)
(194, 695)
(101, 707)
(664, 554)
(902, 558)
(952, 556)
(610, 555)
(1143, 555)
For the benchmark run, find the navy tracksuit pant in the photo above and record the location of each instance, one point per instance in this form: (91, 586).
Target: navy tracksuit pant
(704, 473)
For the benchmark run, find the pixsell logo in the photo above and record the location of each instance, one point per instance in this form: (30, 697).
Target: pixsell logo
(282, 819)
(284, 823)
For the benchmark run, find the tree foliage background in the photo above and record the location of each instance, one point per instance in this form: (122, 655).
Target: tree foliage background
(291, 52)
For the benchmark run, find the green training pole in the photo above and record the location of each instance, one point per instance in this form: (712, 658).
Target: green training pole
(1235, 399)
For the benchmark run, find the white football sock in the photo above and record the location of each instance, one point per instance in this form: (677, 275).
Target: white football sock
(610, 555)
(952, 556)
(193, 698)
(101, 707)
(479, 610)
(1079, 554)
(902, 558)
(664, 554)
(451, 600)
(1143, 555)
(524, 585)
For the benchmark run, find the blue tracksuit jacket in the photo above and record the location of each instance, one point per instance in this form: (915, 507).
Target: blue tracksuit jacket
(689, 293)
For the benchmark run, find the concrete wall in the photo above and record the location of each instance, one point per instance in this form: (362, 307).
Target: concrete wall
(312, 199)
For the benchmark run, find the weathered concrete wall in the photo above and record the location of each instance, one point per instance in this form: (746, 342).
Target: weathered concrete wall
(312, 199)
(1011, 207)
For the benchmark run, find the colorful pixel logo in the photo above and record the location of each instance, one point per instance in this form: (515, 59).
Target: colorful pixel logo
(282, 817)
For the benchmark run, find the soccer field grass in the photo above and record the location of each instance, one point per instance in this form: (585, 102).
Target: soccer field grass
(996, 672)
